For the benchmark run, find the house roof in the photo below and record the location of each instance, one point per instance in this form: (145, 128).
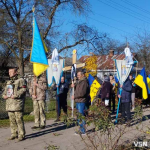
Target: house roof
(105, 61)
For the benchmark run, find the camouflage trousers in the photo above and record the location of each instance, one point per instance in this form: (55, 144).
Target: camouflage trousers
(39, 114)
(17, 124)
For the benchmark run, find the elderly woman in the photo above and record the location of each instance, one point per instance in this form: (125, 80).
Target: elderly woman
(106, 91)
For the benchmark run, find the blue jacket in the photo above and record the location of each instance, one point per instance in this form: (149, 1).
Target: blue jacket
(126, 91)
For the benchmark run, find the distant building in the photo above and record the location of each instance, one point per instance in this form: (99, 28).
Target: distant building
(106, 64)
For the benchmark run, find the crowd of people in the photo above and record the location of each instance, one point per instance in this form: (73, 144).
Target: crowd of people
(109, 93)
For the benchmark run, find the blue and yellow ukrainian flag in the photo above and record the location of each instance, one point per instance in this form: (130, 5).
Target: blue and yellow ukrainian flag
(94, 87)
(38, 55)
(141, 81)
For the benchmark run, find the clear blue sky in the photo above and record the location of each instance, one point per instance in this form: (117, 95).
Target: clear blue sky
(118, 18)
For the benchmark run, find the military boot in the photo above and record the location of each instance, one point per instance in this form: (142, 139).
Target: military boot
(20, 138)
(12, 137)
(35, 127)
(42, 127)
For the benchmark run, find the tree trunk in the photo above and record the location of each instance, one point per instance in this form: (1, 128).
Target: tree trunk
(21, 63)
(21, 67)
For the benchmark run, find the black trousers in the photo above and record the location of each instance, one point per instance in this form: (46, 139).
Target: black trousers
(125, 108)
(62, 105)
(112, 100)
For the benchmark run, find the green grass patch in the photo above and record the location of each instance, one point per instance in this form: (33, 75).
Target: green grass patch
(4, 123)
(50, 112)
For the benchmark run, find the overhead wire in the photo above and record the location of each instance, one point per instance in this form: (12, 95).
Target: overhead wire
(122, 11)
(117, 20)
(109, 25)
(136, 6)
(129, 9)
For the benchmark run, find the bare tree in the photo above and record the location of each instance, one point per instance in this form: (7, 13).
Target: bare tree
(16, 23)
(142, 45)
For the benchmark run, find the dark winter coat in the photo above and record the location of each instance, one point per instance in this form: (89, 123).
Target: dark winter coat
(63, 90)
(106, 90)
(126, 91)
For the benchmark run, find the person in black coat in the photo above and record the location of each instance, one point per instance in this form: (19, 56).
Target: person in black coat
(62, 96)
(106, 90)
(125, 98)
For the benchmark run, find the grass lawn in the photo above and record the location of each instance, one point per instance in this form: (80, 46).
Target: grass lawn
(27, 110)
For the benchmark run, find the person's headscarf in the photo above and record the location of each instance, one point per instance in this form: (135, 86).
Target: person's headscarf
(106, 79)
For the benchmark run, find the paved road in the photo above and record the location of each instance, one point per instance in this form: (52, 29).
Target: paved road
(55, 134)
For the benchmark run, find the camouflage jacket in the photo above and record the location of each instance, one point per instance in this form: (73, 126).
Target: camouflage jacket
(19, 92)
(40, 89)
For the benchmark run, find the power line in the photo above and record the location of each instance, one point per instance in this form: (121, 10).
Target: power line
(129, 9)
(123, 11)
(109, 25)
(117, 21)
(136, 6)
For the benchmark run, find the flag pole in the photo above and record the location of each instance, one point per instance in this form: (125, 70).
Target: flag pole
(35, 81)
(33, 9)
(136, 69)
(58, 100)
(120, 91)
(72, 104)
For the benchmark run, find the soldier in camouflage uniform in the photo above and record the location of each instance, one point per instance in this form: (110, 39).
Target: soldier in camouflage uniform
(38, 91)
(14, 94)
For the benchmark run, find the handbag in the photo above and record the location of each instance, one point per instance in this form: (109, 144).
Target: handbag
(106, 102)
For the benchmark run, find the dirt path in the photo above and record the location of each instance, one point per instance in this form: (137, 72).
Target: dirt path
(55, 135)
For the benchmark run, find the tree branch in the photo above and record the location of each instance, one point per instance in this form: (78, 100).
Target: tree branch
(10, 47)
(4, 3)
(20, 4)
(69, 46)
(16, 12)
(51, 19)
(29, 12)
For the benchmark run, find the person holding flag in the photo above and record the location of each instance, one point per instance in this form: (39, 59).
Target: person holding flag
(124, 92)
(39, 85)
(125, 99)
(80, 97)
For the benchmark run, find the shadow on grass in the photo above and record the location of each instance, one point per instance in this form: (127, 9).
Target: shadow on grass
(56, 127)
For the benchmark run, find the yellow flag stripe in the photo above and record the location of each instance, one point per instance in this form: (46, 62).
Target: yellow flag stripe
(148, 82)
(39, 68)
(139, 81)
(94, 89)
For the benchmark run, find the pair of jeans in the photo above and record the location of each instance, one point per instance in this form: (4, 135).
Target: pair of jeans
(81, 107)
(126, 110)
